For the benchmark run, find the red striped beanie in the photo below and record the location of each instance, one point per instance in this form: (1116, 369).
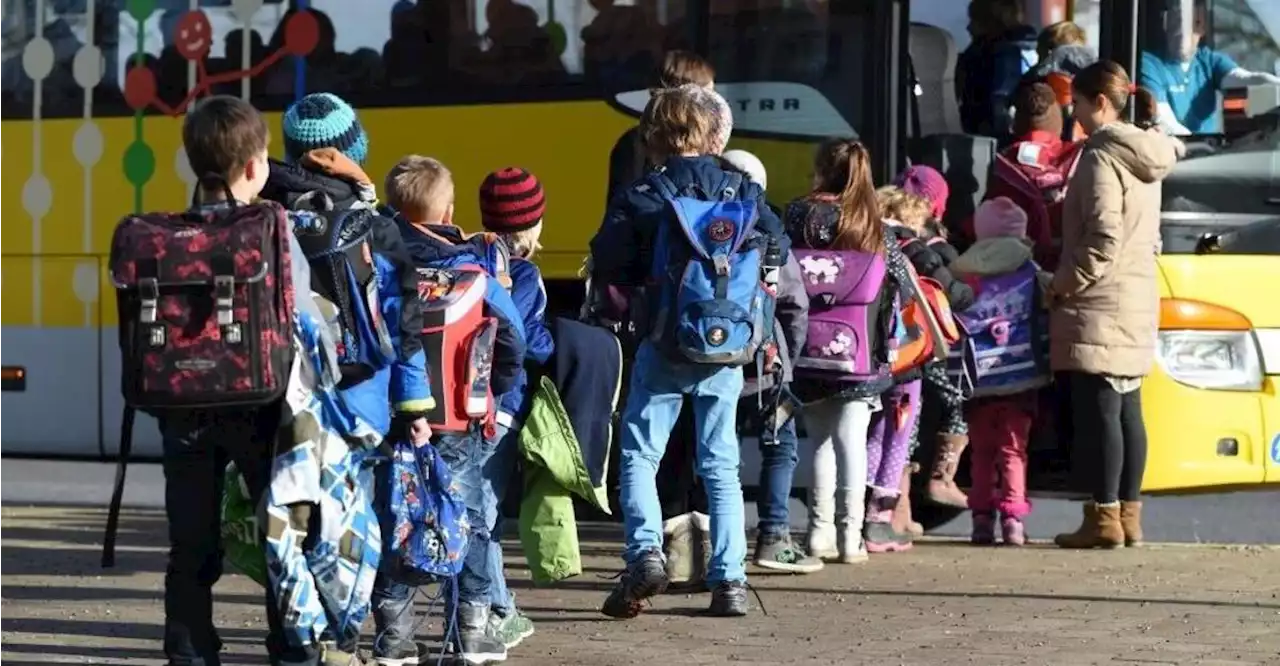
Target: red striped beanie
(511, 200)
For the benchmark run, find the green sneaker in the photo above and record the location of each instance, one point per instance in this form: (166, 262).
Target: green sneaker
(779, 553)
(512, 629)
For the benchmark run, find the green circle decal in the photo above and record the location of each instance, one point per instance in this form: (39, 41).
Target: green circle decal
(140, 9)
(559, 39)
(139, 163)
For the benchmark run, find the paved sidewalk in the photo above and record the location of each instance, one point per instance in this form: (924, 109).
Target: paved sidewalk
(941, 604)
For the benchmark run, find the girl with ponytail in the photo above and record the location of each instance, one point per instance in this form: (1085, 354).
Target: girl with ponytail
(853, 277)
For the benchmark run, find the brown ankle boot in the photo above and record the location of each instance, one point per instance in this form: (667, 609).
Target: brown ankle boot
(902, 521)
(946, 460)
(1131, 521)
(1099, 529)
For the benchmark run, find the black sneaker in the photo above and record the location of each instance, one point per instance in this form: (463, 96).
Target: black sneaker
(729, 599)
(474, 644)
(644, 578)
(404, 654)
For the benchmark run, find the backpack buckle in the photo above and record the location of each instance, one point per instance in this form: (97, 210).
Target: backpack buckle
(150, 290)
(223, 294)
(721, 262)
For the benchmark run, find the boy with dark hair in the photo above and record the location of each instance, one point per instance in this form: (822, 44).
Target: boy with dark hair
(420, 190)
(226, 141)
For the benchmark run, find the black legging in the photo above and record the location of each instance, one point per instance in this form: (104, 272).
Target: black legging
(1110, 433)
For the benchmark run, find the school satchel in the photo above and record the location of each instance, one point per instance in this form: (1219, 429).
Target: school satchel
(928, 327)
(458, 338)
(205, 304)
(205, 307)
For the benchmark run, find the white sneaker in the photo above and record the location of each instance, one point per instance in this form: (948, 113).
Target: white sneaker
(678, 535)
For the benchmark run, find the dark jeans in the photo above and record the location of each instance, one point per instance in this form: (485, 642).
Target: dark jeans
(1110, 436)
(392, 600)
(197, 447)
(777, 471)
(679, 488)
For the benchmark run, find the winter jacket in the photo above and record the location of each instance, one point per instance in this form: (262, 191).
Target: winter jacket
(810, 223)
(925, 258)
(992, 257)
(443, 246)
(987, 76)
(529, 294)
(627, 163)
(565, 443)
(622, 249)
(790, 329)
(1105, 291)
(405, 381)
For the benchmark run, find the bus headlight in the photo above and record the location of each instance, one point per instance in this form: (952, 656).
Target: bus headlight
(1222, 360)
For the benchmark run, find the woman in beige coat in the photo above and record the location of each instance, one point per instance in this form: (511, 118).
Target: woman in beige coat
(1105, 300)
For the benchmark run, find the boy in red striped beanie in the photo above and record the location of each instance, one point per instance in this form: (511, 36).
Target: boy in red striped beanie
(512, 205)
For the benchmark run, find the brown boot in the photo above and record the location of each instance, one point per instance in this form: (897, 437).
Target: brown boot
(902, 521)
(1099, 529)
(1131, 521)
(942, 483)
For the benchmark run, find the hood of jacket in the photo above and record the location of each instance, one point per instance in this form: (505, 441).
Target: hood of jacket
(993, 256)
(1148, 155)
(436, 245)
(296, 187)
(1067, 59)
(811, 221)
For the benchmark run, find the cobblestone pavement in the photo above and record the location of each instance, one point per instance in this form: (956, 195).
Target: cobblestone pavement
(942, 603)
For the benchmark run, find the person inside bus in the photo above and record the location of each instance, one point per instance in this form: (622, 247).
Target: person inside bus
(1187, 79)
(1104, 301)
(988, 72)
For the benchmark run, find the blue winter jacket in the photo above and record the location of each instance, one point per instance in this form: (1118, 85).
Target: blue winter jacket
(448, 248)
(622, 250)
(530, 296)
(987, 76)
(402, 386)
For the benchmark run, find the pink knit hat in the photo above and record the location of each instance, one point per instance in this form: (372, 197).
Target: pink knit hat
(999, 217)
(925, 181)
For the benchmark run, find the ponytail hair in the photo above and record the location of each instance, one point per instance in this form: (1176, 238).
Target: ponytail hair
(843, 168)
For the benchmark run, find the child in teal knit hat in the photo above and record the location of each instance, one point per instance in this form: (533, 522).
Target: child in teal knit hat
(324, 120)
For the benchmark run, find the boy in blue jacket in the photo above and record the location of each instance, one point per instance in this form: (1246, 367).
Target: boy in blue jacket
(325, 146)
(684, 128)
(512, 205)
(420, 190)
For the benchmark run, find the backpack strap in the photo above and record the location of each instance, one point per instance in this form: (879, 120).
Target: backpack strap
(730, 187)
(660, 181)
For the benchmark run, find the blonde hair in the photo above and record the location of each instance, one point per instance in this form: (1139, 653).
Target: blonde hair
(1062, 33)
(420, 187)
(681, 121)
(898, 204)
(524, 243)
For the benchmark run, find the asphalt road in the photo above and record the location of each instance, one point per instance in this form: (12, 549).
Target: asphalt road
(1229, 518)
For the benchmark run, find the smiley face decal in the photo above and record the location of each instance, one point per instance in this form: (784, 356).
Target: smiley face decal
(193, 36)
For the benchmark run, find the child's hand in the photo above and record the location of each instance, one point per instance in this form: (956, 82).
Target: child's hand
(1045, 280)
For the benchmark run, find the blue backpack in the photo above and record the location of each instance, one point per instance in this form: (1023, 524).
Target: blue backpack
(428, 537)
(344, 284)
(712, 306)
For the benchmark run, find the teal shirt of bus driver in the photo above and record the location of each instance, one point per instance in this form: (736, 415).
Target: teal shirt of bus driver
(1191, 91)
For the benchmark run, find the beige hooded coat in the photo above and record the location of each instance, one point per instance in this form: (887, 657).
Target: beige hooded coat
(1107, 298)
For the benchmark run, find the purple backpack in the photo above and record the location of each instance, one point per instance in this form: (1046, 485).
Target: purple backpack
(844, 307)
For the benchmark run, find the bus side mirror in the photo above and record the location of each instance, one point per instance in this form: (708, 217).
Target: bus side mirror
(13, 379)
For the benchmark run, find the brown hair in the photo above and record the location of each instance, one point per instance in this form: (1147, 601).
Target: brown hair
(1035, 107)
(843, 167)
(911, 210)
(676, 122)
(681, 67)
(1104, 79)
(996, 15)
(419, 187)
(1062, 33)
(221, 135)
(1145, 109)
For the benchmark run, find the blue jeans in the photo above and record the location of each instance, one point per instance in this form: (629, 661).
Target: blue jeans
(392, 600)
(777, 470)
(499, 470)
(658, 387)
